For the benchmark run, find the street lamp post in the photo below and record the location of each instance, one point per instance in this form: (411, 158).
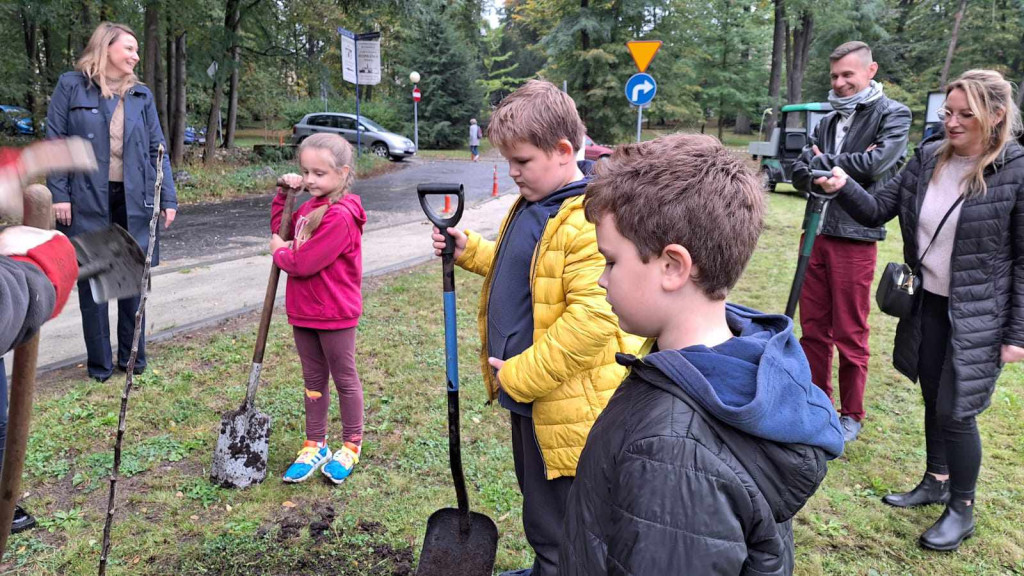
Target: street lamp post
(414, 77)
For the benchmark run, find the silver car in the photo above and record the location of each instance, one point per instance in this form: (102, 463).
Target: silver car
(374, 136)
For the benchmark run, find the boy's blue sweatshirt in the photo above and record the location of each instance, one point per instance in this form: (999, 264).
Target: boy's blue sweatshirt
(758, 382)
(510, 304)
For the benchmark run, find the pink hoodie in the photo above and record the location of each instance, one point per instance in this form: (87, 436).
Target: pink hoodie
(325, 273)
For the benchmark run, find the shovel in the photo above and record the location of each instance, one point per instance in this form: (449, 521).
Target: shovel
(111, 260)
(37, 212)
(240, 458)
(458, 542)
(818, 203)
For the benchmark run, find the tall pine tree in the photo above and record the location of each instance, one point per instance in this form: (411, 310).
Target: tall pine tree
(449, 73)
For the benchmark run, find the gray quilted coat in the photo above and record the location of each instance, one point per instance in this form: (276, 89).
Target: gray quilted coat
(986, 304)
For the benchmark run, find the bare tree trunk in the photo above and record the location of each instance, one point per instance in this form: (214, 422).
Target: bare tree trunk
(775, 76)
(952, 44)
(29, 31)
(234, 25)
(151, 47)
(801, 50)
(160, 84)
(178, 120)
(85, 25)
(724, 65)
(213, 120)
(172, 81)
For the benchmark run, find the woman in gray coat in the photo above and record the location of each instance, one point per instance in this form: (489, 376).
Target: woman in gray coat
(969, 318)
(103, 102)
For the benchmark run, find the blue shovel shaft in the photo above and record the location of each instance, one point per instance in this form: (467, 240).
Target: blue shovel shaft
(451, 350)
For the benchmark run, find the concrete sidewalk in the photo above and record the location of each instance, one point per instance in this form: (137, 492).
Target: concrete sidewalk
(188, 295)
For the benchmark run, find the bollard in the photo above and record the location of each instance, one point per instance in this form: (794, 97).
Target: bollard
(447, 205)
(494, 188)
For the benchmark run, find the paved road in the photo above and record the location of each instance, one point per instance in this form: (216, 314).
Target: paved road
(236, 228)
(215, 257)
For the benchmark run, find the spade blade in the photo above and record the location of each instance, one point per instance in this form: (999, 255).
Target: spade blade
(112, 261)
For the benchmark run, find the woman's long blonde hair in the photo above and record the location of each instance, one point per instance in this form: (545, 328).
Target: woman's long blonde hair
(987, 94)
(93, 62)
(341, 153)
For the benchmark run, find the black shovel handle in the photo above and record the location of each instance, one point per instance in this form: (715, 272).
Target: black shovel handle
(451, 351)
(433, 189)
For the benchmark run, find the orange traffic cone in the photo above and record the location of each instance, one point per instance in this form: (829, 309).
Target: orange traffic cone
(494, 188)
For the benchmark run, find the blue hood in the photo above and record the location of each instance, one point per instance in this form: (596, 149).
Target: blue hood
(758, 382)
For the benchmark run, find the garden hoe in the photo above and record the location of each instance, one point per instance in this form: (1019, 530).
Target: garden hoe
(458, 542)
(811, 221)
(240, 458)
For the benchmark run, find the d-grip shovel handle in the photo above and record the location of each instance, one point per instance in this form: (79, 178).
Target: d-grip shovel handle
(424, 190)
(451, 350)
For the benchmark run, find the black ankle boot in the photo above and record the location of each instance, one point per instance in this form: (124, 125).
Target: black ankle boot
(954, 526)
(928, 491)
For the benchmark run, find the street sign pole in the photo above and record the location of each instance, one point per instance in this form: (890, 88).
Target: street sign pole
(359, 133)
(639, 120)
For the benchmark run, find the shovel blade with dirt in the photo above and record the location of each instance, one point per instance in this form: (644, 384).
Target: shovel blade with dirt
(458, 542)
(243, 446)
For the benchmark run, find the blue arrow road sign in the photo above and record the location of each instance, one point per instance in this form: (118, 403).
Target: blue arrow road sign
(640, 89)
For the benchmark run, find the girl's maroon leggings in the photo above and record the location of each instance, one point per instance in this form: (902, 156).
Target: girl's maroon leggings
(327, 353)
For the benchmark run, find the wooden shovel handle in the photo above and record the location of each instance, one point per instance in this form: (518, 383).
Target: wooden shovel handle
(37, 213)
(285, 232)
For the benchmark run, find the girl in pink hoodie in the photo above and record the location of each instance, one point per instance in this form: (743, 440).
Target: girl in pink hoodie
(323, 299)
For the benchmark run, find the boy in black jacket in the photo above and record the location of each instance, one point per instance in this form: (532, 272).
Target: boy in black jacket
(717, 437)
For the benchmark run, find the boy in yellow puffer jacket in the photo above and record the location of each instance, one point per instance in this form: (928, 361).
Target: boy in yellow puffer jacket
(549, 337)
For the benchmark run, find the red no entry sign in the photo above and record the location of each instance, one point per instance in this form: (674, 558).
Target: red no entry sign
(416, 95)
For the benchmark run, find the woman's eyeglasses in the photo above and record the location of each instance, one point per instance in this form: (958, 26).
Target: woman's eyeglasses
(947, 114)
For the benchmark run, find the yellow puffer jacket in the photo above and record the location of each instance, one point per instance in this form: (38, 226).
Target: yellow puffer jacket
(569, 373)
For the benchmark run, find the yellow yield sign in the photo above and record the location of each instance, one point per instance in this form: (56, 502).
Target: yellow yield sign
(643, 52)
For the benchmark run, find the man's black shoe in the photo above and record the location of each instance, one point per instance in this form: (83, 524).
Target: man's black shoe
(929, 491)
(22, 520)
(954, 526)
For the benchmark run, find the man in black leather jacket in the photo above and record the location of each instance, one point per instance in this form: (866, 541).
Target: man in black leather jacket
(866, 135)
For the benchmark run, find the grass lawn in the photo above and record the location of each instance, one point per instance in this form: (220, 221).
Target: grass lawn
(456, 154)
(223, 181)
(172, 520)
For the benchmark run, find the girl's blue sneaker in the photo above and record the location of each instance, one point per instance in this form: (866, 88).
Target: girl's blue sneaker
(341, 464)
(309, 459)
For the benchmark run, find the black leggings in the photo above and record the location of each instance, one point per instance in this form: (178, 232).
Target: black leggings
(953, 445)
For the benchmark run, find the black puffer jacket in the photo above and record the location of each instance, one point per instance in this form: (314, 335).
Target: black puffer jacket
(986, 303)
(882, 123)
(664, 488)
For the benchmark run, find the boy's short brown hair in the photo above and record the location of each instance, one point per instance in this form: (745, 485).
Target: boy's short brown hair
(537, 113)
(684, 189)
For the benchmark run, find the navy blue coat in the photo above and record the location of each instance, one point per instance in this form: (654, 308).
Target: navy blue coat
(75, 110)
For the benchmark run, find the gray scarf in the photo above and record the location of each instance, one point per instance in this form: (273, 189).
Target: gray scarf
(846, 106)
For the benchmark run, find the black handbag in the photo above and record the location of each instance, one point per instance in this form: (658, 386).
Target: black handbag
(900, 285)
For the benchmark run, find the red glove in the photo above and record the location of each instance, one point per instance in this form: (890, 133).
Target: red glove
(50, 251)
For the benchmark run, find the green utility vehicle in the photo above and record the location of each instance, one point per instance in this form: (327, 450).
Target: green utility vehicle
(796, 125)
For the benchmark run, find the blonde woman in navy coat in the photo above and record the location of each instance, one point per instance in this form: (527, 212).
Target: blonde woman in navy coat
(103, 101)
